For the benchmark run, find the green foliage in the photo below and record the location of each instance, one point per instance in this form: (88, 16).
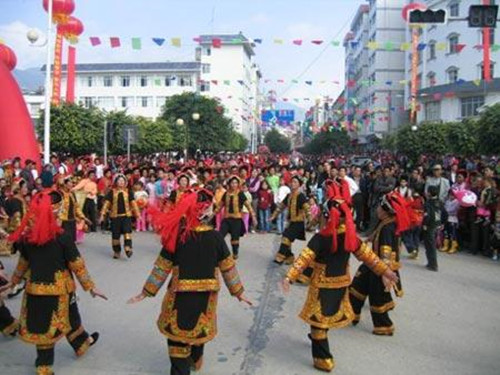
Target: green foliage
(237, 142)
(489, 130)
(335, 141)
(74, 129)
(276, 141)
(154, 136)
(463, 137)
(117, 121)
(211, 132)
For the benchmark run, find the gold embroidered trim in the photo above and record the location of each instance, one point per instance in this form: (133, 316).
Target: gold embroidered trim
(320, 280)
(383, 330)
(226, 264)
(357, 294)
(21, 269)
(11, 328)
(319, 334)
(235, 242)
(116, 242)
(279, 257)
(303, 261)
(63, 284)
(83, 348)
(44, 370)
(72, 336)
(79, 268)
(285, 241)
(384, 308)
(203, 228)
(127, 236)
(179, 351)
(202, 285)
(325, 364)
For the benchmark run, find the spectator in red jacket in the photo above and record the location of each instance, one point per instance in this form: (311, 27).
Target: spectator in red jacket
(265, 200)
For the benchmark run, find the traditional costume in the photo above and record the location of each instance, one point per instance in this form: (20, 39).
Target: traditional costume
(70, 211)
(49, 261)
(233, 201)
(120, 204)
(196, 255)
(298, 211)
(327, 305)
(8, 324)
(386, 244)
(177, 194)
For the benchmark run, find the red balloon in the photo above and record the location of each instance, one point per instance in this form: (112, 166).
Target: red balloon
(8, 57)
(61, 9)
(17, 133)
(72, 28)
(413, 6)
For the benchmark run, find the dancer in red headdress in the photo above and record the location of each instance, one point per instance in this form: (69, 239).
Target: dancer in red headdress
(327, 305)
(195, 254)
(393, 220)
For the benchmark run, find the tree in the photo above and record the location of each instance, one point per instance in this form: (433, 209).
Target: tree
(116, 141)
(489, 130)
(335, 141)
(463, 137)
(211, 132)
(74, 129)
(154, 136)
(276, 141)
(237, 142)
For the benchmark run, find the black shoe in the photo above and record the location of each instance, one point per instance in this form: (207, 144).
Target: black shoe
(432, 268)
(95, 337)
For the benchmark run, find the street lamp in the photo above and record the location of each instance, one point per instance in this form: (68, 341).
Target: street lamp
(180, 122)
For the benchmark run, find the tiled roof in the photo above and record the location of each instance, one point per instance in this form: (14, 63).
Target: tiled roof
(154, 66)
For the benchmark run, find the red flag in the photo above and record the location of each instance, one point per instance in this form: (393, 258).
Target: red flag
(115, 42)
(197, 39)
(215, 82)
(459, 48)
(95, 41)
(70, 83)
(216, 42)
(317, 42)
(297, 42)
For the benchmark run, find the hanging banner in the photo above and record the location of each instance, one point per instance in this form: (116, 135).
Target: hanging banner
(56, 80)
(70, 82)
(414, 75)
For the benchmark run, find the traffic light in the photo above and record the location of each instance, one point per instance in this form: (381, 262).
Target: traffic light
(483, 16)
(428, 16)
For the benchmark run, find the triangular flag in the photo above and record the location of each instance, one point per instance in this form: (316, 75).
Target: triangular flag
(335, 43)
(281, 81)
(197, 39)
(354, 44)
(136, 43)
(421, 46)
(241, 82)
(258, 41)
(479, 47)
(495, 47)
(278, 41)
(215, 82)
(317, 42)
(237, 41)
(295, 81)
(157, 82)
(459, 48)
(441, 46)
(115, 42)
(477, 82)
(94, 41)
(405, 46)
(461, 81)
(403, 82)
(227, 82)
(297, 42)
(216, 42)
(159, 41)
(389, 46)
(309, 83)
(372, 45)
(176, 42)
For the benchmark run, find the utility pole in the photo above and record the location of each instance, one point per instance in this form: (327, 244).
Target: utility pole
(128, 145)
(105, 143)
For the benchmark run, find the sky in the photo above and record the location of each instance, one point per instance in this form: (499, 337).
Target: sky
(265, 19)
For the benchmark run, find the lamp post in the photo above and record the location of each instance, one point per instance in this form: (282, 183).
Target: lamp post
(46, 122)
(180, 122)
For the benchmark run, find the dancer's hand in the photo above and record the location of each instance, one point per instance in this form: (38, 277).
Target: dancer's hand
(285, 285)
(389, 278)
(97, 293)
(137, 298)
(242, 298)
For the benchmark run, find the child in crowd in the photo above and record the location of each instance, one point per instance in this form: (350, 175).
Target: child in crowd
(244, 210)
(451, 206)
(315, 214)
(411, 237)
(431, 223)
(265, 197)
(141, 197)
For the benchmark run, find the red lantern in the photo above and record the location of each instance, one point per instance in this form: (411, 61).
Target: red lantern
(7, 57)
(61, 9)
(71, 30)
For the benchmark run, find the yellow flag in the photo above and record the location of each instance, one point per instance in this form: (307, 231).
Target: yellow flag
(441, 46)
(405, 46)
(372, 45)
(477, 82)
(278, 41)
(176, 42)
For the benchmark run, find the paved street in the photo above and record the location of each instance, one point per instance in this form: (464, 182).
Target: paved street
(447, 322)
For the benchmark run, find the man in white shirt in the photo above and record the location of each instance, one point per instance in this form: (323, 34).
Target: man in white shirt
(279, 197)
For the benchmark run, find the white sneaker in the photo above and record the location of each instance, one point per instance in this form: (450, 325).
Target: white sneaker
(495, 257)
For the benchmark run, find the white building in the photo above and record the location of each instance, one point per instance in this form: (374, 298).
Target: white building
(34, 102)
(223, 68)
(375, 66)
(451, 81)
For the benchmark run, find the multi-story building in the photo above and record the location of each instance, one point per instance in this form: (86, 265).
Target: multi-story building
(450, 68)
(375, 67)
(223, 68)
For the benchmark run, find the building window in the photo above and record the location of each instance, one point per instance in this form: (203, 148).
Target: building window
(431, 79)
(207, 51)
(454, 9)
(168, 81)
(108, 81)
(471, 105)
(432, 50)
(433, 111)
(88, 101)
(125, 81)
(452, 74)
(144, 81)
(492, 69)
(453, 43)
(146, 101)
(205, 68)
(106, 101)
(205, 86)
(90, 81)
(185, 80)
(126, 101)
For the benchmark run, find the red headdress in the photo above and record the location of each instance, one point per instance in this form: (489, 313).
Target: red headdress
(395, 204)
(338, 188)
(178, 223)
(39, 225)
(336, 208)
